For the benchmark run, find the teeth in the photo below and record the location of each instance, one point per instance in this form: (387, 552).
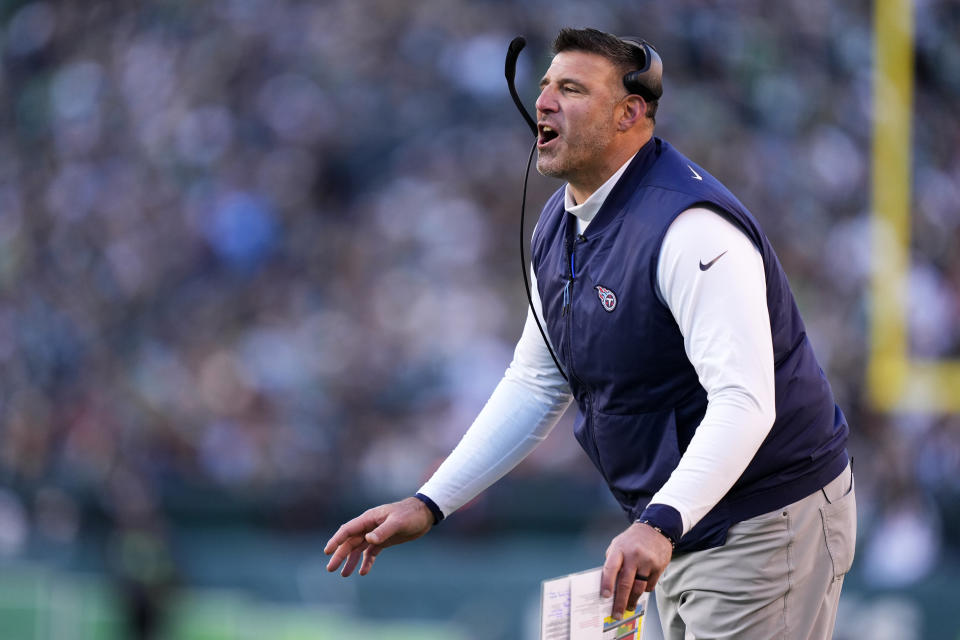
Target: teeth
(547, 129)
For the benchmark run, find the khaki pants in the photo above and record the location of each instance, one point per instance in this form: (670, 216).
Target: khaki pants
(779, 575)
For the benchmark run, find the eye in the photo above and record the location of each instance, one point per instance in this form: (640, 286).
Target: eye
(570, 89)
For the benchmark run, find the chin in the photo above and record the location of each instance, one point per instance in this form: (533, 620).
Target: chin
(550, 168)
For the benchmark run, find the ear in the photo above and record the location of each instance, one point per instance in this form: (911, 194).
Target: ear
(633, 110)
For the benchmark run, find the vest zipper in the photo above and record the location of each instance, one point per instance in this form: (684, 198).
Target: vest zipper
(568, 313)
(568, 285)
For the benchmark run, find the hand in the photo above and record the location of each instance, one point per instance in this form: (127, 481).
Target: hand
(373, 531)
(635, 560)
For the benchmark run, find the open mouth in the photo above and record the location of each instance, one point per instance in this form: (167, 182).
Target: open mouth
(547, 135)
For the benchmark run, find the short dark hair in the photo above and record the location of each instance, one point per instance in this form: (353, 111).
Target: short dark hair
(625, 57)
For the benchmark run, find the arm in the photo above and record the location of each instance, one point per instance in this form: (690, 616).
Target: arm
(722, 314)
(723, 317)
(520, 413)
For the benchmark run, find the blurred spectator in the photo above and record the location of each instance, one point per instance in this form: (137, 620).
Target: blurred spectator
(263, 246)
(138, 555)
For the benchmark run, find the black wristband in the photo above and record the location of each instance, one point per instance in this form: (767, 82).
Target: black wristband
(673, 543)
(664, 519)
(434, 509)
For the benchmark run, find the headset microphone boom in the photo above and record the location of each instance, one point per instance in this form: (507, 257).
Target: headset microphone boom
(510, 71)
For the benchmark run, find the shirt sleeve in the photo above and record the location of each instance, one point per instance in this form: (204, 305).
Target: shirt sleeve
(711, 276)
(521, 412)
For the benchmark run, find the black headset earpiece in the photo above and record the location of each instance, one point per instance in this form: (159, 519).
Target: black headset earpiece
(647, 81)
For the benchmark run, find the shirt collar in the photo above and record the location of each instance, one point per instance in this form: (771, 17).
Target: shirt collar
(588, 208)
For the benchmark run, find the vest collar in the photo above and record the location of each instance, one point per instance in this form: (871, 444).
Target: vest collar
(624, 188)
(587, 209)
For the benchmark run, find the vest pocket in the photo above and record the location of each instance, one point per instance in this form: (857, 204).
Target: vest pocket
(636, 452)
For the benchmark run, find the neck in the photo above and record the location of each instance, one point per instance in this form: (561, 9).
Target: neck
(584, 186)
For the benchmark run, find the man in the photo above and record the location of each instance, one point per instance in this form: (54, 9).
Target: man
(699, 397)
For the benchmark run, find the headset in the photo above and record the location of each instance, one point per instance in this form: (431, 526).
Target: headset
(646, 81)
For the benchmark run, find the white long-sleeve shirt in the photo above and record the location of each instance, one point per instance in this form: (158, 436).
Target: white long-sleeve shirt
(722, 315)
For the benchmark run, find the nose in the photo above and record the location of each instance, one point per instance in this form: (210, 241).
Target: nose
(547, 100)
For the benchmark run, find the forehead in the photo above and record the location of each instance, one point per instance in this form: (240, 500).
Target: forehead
(581, 66)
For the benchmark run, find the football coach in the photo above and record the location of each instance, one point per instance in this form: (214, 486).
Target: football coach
(699, 398)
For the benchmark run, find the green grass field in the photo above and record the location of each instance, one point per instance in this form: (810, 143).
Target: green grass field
(41, 604)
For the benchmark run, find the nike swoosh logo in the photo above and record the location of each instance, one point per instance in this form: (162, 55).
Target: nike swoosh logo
(696, 176)
(704, 267)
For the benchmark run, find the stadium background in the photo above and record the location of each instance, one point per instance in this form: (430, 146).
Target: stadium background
(258, 271)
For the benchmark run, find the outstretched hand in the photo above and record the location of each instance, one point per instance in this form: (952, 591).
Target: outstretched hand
(373, 531)
(635, 560)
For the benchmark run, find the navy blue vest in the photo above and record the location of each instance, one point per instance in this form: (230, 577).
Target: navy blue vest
(638, 396)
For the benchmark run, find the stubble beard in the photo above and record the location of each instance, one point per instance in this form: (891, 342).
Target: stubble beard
(550, 166)
(579, 154)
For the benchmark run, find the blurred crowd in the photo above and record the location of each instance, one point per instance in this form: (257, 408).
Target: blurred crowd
(267, 249)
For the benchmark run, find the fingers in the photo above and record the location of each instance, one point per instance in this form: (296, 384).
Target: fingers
(609, 573)
(352, 561)
(344, 550)
(617, 579)
(625, 586)
(368, 557)
(356, 527)
(385, 531)
(652, 582)
(353, 551)
(639, 586)
(349, 541)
